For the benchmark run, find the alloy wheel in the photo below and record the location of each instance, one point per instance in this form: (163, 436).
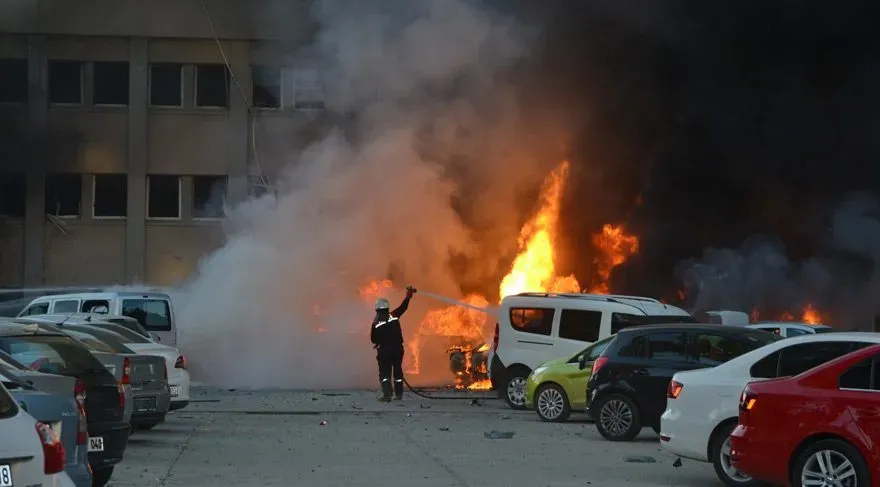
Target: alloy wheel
(829, 468)
(516, 391)
(616, 417)
(731, 472)
(550, 403)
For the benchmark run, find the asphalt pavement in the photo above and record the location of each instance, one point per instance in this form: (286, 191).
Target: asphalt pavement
(333, 438)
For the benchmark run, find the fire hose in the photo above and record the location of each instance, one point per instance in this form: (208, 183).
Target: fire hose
(426, 396)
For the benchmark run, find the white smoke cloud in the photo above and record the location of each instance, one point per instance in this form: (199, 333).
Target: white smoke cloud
(421, 77)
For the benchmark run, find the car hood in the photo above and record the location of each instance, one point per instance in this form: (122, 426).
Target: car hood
(549, 367)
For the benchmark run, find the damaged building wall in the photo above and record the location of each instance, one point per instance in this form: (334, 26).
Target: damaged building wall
(124, 121)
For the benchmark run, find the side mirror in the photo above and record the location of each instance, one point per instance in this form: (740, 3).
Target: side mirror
(582, 362)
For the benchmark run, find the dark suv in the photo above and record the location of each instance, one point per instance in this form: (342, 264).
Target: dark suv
(628, 386)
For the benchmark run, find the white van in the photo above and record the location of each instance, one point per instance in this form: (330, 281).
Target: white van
(151, 309)
(533, 328)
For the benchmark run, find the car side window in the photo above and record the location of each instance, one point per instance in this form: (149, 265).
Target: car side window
(804, 356)
(714, 349)
(658, 346)
(767, 367)
(65, 307)
(37, 309)
(95, 306)
(860, 376)
(538, 321)
(580, 325)
(793, 332)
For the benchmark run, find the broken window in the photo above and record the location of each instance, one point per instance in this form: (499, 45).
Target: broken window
(163, 197)
(111, 83)
(63, 194)
(266, 87)
(13, 80)
(308, 90)
(12, 195)
(209, 194)
(110, 198)
(65, 82)
(166, 85)
(212, 86)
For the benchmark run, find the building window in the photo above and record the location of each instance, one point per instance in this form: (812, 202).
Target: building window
(63, 194)
(166, 85)
(212, 86)
(163, 197)
(209, 195)
(111, 83)
(65, 82)
(266, 87)
(13, 80)
(110, 196)
(308, 90)
(12, 195)
(580, 325)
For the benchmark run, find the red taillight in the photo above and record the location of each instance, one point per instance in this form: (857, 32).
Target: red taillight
(180, 363)
(747, 401)
(495, 339)
(126, 371)
(79, 393)
(53, 450)
(598, 363)
(674, 389)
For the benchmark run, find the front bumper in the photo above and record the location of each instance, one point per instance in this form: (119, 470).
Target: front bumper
(115, 440)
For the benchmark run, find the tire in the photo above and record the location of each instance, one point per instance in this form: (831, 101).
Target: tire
(618, 418)
(514, 388)
(551, 403)
(719, 451)
(838, 451)
(147, 426)
(101, 477)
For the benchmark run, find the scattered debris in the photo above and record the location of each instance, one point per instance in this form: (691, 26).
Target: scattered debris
(475, 402)
(314, 398)
(639, 459)
(676, 463)
(335, 394)
(499, 435)
(355, 406)
(504, 417)
(444, 428)
(425, 406)
(323, 423)
(230, 390)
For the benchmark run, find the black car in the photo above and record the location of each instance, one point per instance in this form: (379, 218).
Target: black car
(628, 386)
(57, 353)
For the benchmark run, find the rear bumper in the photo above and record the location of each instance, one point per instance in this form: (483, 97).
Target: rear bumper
(685, 435)
(115, 440)
(756, 454)
(138, 419)
(79, 474)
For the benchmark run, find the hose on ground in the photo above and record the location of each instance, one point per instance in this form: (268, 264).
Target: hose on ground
(426, 396)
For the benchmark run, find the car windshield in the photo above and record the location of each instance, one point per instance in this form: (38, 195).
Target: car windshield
(6, 359)
(53, 354)
(93, 343)
(116, 342)
(8, 408)
(123, 332)
(823, 329)
(593, 350)
(127, 324)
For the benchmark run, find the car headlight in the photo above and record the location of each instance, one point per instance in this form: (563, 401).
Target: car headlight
(539, 370)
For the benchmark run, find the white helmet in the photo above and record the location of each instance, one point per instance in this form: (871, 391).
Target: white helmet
(382, 303)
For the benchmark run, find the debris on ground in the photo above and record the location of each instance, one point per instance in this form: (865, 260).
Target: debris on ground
(323, 423)
(355, 406)
(475, 402)
(335, 394)
(676, 463)
(314, 398)
(499, 435)
(444, 428)
(425, 406)
(639, 459)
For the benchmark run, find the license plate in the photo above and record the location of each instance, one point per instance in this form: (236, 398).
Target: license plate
(175, 390)
(5, 476)
(96, 443)
(145, 404)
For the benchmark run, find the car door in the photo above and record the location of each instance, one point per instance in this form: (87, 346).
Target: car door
(577, 328)
(663, 353)
(532, 332)
(575, 377)
(859, 387)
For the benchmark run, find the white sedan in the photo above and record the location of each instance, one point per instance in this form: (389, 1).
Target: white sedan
(702, 406)
(30, 452)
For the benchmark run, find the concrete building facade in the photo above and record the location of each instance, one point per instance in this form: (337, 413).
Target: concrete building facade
(128, 124)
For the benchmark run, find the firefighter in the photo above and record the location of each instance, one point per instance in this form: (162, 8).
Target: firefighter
(387, 339)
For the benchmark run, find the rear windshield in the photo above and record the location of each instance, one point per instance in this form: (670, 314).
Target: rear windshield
(110, 340)
(152, 314)
(820, 329)
(92, 342)
(52, 354)
(8, 360)
(128, 335)
(128, 324)
(8, 408)
(619, 321)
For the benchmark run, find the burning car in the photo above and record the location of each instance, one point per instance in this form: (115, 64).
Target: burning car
(469, 366)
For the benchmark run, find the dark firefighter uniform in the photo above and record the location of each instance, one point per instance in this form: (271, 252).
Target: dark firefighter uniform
(387, 338)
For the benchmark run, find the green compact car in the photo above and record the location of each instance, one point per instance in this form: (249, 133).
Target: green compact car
(559, 386)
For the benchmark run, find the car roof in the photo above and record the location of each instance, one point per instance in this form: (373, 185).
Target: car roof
(787, 323)
(683, 326)
(103, 295)
(638, 304)
(9, 327)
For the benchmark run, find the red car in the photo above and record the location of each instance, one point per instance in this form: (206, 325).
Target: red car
(814, 429)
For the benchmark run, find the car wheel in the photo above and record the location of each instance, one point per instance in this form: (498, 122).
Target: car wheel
(617, 418)
(515, 388)
(551, 403)
(101, 477)
(720, 448)
(830, 462)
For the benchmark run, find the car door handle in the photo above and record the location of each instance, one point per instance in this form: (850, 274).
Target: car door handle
(640, 372)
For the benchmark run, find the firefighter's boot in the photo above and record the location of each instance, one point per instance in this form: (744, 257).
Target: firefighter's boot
(386, 390)
(398, 389)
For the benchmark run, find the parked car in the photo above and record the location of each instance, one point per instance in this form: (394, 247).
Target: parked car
(146, 375)
(816, 428)
(703, 405)
(788, 329)
(62, 414)
(175, 362)
(558, 387)
(153, 310)
(84, 318)
(104, 398)
(628, 386)
(31, 453)
(533, 328)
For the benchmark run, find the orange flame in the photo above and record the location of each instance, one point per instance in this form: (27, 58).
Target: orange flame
(811, 315)
(458, 324)
(614, 246)
(534, 269)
